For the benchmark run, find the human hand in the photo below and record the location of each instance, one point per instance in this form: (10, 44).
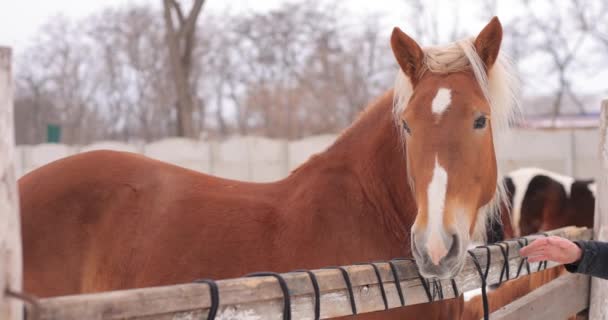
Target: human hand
(552, 248)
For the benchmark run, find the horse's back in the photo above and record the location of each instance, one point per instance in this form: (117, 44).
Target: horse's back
(154, 220)
(62, 207)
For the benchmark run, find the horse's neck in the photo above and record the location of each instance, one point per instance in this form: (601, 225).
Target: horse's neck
(371, 153)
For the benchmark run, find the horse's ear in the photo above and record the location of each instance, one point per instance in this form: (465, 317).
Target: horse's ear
(408, 53)
(487, 43)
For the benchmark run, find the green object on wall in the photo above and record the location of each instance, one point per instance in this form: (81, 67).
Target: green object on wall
(53, 133)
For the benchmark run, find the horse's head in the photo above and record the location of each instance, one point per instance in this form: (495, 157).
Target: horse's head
(447, 105)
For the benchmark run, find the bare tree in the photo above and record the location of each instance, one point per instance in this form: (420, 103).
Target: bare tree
(213, 66)
(424, 21)
(591, 16)
(133, 76)
(560, 41)
(180, 37)
(300, 69)
(61, 78)
(33, 111)
(290, 72)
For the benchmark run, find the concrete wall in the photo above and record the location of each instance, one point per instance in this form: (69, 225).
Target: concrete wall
(572, 152)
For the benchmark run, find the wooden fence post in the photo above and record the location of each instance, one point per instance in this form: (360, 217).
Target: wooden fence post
(599, 288)
(10, 230)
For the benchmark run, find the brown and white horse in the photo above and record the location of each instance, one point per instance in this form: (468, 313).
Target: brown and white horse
(416, 174)
(539, 200)
(543, 200)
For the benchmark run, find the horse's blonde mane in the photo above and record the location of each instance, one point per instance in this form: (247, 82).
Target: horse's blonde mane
(500, 86)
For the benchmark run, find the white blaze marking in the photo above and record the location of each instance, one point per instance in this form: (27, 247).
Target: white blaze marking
(521, 179)
(442, 100)
(435, 204)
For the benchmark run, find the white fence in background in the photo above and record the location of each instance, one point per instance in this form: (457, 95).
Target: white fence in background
(569, 151)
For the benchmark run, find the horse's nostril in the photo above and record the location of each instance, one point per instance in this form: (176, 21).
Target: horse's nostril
(454, 247)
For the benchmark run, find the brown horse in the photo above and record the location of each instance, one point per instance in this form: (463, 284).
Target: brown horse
(416, 174)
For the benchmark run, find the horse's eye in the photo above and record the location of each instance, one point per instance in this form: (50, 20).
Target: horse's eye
(405, 127)
(480, 122)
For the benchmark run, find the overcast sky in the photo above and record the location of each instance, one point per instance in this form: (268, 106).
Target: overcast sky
(21, 19)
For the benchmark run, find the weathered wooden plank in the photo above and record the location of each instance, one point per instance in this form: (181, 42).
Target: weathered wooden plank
(10, 232)
(559, 299)
(261, 298)
(599, 288)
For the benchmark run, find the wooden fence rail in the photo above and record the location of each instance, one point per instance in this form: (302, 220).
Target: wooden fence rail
(558, 299)
(262, 298)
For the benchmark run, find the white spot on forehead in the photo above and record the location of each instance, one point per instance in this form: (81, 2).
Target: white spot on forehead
(435, 203)
(442, 100)
(521, 179)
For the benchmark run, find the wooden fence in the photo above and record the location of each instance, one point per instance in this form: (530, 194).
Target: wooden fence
(263, 297)
(599, 288)
(10, 237)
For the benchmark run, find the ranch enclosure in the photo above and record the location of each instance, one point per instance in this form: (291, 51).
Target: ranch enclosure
(252, 91)
(557, 150)
(568, 151)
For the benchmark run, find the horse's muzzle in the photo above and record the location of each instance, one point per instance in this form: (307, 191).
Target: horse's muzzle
(438, 260)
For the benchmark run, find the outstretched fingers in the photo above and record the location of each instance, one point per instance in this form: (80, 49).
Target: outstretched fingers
(537, 247)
